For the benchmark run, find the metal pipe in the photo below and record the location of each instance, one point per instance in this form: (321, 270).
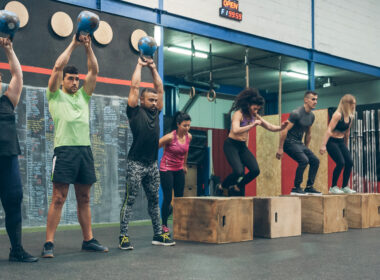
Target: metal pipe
(365, 150)
(246, 62)
(352, 148)
(354, 154)
(374, 152)
(378, 137)
(360, 149)
(279, 90)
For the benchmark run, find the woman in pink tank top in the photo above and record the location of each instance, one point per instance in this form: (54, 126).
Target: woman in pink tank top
(173, 163)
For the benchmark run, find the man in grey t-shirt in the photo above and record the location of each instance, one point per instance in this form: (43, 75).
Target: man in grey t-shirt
(300, 122)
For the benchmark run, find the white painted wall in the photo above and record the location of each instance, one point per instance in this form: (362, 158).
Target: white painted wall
(206, 114)
(147, 3)
(365, 93)
(349, 29)
(288, 21)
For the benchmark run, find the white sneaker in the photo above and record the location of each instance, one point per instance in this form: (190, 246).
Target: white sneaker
(335, 190)
(348, 190)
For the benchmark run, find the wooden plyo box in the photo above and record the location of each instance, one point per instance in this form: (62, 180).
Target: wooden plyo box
(374, 209)
(358, 210)
(277, 216)
(324, 213)
(213, 220)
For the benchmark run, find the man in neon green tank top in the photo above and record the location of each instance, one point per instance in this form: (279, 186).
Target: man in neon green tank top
(72, 162)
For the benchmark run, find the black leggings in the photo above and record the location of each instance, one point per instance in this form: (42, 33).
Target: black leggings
(339, 153)
(11, 197)
(303, 156)
(239, 156)
(171, 180)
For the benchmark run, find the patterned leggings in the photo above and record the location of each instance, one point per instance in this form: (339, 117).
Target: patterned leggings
(148, 176)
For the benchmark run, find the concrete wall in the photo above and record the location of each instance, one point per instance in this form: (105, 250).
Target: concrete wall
(349, 29)
(345, 28)
(287, 21)
(146, 3)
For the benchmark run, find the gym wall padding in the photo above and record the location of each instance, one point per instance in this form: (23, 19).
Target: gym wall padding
(37, 45)
(269, 180)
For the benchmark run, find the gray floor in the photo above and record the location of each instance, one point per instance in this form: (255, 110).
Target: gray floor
(349, 255)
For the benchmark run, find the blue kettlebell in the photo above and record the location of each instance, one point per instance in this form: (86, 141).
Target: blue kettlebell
(147, 46)
(9, 23)
(88, 22)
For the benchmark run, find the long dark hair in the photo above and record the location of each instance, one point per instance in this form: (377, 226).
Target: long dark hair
(178, 118)
(246, 98)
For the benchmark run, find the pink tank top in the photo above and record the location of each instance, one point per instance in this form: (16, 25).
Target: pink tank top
(174, 154)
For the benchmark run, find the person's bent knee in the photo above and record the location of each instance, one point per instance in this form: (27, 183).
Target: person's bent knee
(314, 161)
(303, 163)
(348, 164)
(340, 164)
(257, 172)
(238, 173)
(254, 173)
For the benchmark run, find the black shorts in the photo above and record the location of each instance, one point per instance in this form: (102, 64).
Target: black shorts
(73, 164)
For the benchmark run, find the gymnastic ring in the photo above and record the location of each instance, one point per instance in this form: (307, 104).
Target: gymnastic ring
(192, 92)
(213, 93)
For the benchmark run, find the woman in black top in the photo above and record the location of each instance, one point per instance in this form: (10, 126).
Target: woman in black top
(336, 141)
(10, 181)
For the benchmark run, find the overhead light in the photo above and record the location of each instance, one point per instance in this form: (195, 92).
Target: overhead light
(328, 83)
(157, 34)
(187, 52)
(296, 75)
(201, 55)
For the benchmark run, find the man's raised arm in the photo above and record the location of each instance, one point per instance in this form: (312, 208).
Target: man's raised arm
(158, 86)
(92, 65)
(56, 75)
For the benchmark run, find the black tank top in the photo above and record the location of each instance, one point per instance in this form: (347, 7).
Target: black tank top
(341, 126)
(9, 145)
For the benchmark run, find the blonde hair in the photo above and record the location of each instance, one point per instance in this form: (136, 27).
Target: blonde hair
(345, 107)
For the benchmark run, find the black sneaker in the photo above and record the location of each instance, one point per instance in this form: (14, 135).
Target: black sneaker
(19, 255)
(219, 190)
(124, 243)
(48, 250)
(163, 240)
(311, 191)
(93, 245)
(297, 191)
